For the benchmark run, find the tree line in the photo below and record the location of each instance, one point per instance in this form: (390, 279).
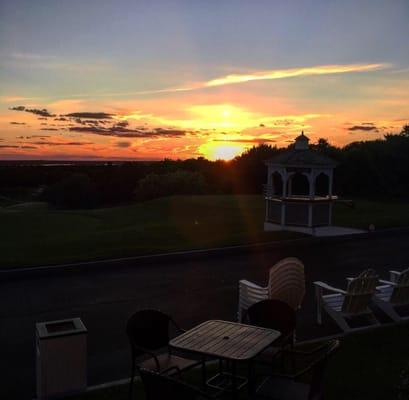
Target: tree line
(373, 168)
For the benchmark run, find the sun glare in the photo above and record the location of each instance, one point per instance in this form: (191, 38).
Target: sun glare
(221, 151)
(219, 116)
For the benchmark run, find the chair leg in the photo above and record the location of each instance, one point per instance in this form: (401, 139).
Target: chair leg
(204, 375)
(318, 299)
(131, 383)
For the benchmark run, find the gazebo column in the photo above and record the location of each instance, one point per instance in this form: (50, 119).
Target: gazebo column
(311, 180)
(284, 177)
(270, 180)
(330, 176)
(268, 190)
(290, 186)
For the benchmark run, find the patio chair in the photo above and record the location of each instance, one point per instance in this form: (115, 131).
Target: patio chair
(148, 334)
(394, 294)
(287, 387)
(160, 387)
(277, 315)
(342, 305)
(286, 283)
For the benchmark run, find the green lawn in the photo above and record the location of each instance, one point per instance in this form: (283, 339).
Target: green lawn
(31, 234)
(368, 366)
(383, 214)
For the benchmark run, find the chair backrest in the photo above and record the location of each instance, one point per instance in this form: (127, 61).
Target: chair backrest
(287, 282)
(400, 293)
(359, 292)
(160, 387)
(318, 368)
(273, 314)
(148, 329)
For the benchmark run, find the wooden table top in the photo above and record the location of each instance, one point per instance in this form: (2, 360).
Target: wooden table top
(225, 339)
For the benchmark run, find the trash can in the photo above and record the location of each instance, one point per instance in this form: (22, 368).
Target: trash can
(61, 358)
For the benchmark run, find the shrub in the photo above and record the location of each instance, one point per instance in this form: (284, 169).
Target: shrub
(178, 182)
(75, 191)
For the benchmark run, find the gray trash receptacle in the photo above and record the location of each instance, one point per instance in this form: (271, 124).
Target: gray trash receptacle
(61, 358)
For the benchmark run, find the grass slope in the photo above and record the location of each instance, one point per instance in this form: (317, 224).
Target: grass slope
(31, 234)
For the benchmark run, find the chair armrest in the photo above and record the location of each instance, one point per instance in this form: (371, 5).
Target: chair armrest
(177, 327)
(176, 368)
(316, 349)
(328, 287)
(149, 352)
(387, 283)
(251, 285)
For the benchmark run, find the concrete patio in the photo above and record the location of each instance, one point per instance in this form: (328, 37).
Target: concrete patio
(192, 290)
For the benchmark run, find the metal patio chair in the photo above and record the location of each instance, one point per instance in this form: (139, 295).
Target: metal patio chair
(277, 315)
(148, 334)
(286, 386)
(160, 387)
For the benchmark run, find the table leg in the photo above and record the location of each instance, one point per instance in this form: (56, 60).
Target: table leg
(234, 391)
(204, 372)
(251, 377)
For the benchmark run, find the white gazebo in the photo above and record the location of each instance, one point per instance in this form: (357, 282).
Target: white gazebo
(299, 191)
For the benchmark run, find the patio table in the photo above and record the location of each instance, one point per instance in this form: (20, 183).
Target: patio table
(225, 340)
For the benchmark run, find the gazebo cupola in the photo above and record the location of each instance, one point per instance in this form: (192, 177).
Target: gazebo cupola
(298, 193)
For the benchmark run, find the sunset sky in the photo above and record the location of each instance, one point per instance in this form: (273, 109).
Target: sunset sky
(133, 79)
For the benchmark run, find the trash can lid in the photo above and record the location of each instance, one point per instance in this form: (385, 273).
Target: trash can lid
(63, 327)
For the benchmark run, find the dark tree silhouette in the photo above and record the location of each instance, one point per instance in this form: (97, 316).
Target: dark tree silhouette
(371, 168)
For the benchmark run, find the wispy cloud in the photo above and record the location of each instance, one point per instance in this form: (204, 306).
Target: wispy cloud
(364, 127)
(118, 131)
(42, 112)
(273, 74)
(232, 79)
(293, 72)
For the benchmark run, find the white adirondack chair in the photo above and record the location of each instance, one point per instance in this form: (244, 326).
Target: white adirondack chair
(342, 305)
(394, 293)
(286, 282)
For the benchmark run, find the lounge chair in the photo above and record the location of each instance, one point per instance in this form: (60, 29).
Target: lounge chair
(342, 305)
(286, 282)
(394, 294)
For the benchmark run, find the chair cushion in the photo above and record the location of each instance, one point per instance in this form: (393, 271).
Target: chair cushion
(276, 388)
(166, 361)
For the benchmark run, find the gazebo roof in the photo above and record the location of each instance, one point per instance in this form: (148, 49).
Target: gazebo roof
(300, 154)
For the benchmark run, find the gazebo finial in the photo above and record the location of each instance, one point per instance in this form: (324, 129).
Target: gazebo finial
(301, 142)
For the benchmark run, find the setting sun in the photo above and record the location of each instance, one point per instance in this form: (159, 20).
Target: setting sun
(221, 151)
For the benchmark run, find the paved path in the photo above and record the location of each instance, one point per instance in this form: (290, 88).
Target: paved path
(191, 290)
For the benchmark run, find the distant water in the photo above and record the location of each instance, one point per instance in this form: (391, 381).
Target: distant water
(56, 165)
